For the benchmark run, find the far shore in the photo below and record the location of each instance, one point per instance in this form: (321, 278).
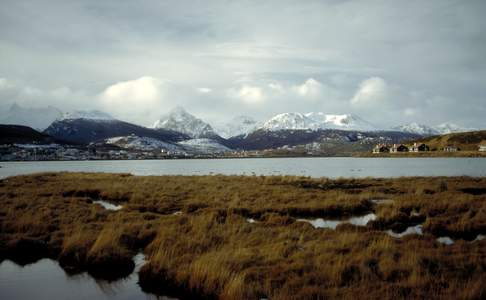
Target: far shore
(428, 154)
(422, 154)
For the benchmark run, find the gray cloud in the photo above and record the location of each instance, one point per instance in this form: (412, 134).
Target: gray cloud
(255, 57)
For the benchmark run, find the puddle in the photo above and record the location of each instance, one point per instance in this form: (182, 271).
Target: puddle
(46, 280)
(480, 237)
(139, 261)
(332, 224)
(108, 205)
(321, 223)
(410, 230)
(445, 240)
(362, 220)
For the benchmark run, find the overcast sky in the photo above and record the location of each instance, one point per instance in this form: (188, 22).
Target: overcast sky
(389, 62)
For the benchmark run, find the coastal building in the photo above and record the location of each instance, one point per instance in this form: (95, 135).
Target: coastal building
(419, 147)
(482, 148)
(450, 148)
(381, 148)
(398, 148)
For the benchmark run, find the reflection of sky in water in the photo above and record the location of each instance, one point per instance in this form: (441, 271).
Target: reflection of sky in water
(445, 240)
(108, 205)
(46, 280)
(332, 224)
(410, 230)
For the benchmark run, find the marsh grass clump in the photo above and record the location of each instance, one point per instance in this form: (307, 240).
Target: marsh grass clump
(195, 233)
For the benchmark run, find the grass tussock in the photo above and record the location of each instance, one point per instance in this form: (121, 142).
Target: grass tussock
(196, 236)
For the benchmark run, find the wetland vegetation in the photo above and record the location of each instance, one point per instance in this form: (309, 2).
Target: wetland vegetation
(242, 237)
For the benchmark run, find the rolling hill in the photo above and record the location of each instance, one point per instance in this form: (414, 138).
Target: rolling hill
(466, 141)
(19, 134)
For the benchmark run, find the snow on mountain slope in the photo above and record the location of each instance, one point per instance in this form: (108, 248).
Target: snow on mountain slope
(204, 146)
(239, 125)
(141, 143)
(426, 130)
(180, 120)
(38, 118)
(315, 121)
(446, 128)
(290, 121)
(86, 114)
(343, 122)
(416, 128)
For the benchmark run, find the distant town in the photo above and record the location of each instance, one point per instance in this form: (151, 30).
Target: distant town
(417, 147)
(53, 152)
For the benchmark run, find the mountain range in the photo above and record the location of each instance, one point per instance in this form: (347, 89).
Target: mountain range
(180, 130)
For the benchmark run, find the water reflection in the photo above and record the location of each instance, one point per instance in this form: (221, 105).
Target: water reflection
(410, 230)
(108, 205)
(332, 224)
(45, 279)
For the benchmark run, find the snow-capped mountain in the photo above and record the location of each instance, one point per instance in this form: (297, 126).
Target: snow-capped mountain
(240, 125)
(446, 128)
(316, 121)
(84, 130)
(86, 114)
(416, 128)
(204, 146)
(426, 130)
(141, 143)
(343, 122)
(38, 118)
(287, 121)
(180, 120)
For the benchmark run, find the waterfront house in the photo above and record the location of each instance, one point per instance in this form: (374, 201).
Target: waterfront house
(450, 148)
(381, 148)
(398, 148)
(482, 148)
(419, 147)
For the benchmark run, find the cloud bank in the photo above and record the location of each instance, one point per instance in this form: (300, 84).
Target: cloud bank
(396, 62)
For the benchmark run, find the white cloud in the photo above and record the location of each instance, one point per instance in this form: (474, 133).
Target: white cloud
(409, 112)
(276, 87)
(204, 90)
(311, 88)
(5, 84)
(371, 91)
(134, 98)
(249, 94)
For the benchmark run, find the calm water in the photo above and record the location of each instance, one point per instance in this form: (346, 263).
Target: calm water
(45, 279)
(314, 167)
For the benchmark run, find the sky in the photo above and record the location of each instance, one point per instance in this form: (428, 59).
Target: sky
(389, 62)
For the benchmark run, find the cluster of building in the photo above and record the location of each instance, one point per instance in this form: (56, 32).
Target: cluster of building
(396, 148)
(37, 152)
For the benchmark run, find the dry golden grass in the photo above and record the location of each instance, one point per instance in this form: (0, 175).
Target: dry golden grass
(211, 250)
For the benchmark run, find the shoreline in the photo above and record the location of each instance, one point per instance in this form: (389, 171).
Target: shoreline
(431, 154)
(198, 240)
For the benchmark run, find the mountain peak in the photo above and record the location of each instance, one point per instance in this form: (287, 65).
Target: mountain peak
(35, 117)
(317, 120)
(417, 128)
(425, 130)
(239, 125)
(178, 119)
